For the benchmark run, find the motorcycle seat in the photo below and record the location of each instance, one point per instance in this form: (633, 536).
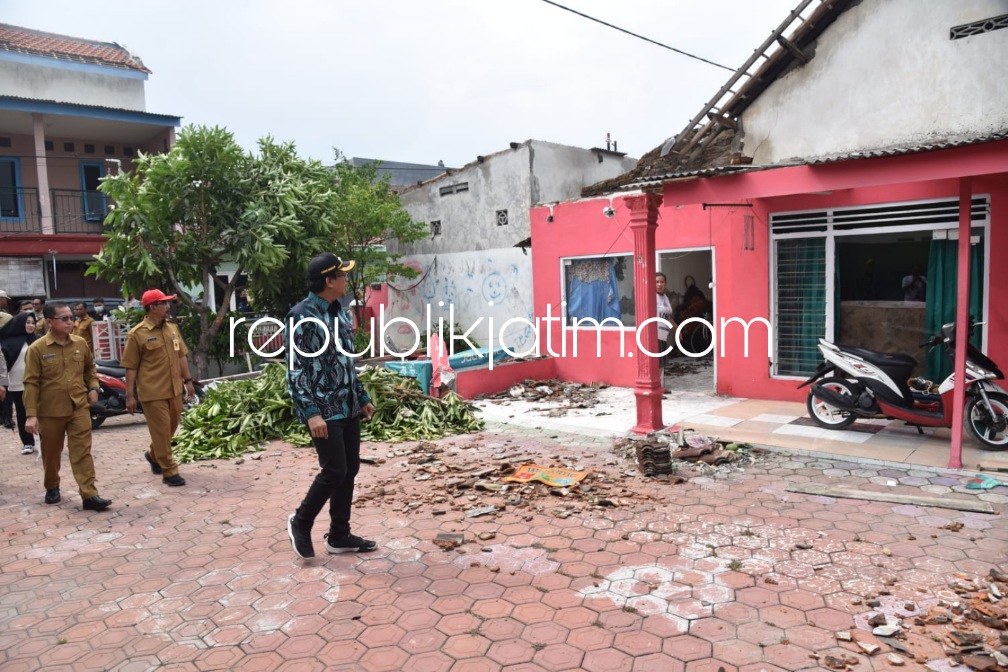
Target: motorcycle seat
(115, 371)
(882, 359)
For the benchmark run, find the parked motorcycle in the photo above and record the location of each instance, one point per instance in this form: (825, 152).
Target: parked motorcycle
(112, 393)
(860, 383)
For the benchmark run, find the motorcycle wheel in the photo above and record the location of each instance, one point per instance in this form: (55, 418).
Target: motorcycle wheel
(96, 421)
(825, 414)
(992, 432)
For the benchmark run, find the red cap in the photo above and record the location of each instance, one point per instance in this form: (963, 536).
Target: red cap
(153, 296)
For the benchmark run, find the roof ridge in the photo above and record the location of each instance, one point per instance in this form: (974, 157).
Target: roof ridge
(20, 39)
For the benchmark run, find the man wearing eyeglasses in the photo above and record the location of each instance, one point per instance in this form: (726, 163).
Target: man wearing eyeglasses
(156, 361)
(59, 387)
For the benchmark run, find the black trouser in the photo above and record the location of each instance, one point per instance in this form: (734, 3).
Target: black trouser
(339, 458)
(17, 400)
(5, 409)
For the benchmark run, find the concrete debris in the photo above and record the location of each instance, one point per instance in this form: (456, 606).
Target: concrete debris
(666, 452)
(563, 395)
(886, 630)
(878, 620)
(481, 511)
(448, 540)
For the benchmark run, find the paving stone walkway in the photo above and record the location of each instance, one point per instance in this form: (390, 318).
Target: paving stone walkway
(727, 571)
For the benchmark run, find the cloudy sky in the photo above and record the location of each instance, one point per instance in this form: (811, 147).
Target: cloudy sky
(424, 81)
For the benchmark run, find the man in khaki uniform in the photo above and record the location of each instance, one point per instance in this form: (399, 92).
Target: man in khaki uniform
(59, 387)
(6, 312)
(155, 361)
(82, 325)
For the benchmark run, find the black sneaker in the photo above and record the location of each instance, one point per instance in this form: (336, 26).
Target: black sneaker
(154, 466)
(52, 495)
(351, 543)
(300, 540)
(96, 503)
(174, 481)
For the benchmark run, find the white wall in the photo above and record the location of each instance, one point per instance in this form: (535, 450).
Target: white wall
(468, 220)
(71, 86)
(476, 258)
(469, 281)
(513, 180)
(560, 172)
(886, 73)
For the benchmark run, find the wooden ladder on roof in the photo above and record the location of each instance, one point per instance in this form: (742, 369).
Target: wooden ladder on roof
(711, 117)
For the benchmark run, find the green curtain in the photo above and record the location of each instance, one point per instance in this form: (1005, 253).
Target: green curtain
(943, 265)
(801, 304)
(836, 293)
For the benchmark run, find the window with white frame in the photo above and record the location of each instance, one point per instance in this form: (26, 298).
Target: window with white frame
(875, 276)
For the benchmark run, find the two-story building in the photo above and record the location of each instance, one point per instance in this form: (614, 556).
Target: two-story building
(72, 110)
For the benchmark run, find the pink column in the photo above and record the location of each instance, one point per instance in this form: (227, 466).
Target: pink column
(648, 389)
(962, 321)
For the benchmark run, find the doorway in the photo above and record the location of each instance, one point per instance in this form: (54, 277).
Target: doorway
(690, 276)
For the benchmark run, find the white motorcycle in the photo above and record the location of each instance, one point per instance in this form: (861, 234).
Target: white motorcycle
(859, 383)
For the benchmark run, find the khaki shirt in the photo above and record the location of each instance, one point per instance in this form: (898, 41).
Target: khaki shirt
(154, 353)
(5, 317)
(82, 328)
(41, 326)
(57, 377)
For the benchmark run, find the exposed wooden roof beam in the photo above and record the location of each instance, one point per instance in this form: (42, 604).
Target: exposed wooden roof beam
(726, 122)
(795, 51)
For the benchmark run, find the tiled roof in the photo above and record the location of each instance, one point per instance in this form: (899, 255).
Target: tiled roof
(915, 148)
(18, 40)
(706, 145)
(655, 178)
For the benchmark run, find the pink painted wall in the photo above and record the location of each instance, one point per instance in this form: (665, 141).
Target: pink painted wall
(472, 382)
(742, 277)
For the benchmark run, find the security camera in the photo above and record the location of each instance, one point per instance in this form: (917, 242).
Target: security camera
(608, 212)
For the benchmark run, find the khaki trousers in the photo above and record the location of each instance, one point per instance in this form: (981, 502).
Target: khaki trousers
(163, 417)
(77, 430)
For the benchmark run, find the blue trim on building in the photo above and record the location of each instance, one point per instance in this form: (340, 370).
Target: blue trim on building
(93, 203)
(17, 190)
(87, 111)
(73, 66)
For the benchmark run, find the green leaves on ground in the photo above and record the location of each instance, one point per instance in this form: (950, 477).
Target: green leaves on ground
(404, 413)
(239, 416)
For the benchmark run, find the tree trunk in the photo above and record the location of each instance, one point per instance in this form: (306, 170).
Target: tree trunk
(199, 362)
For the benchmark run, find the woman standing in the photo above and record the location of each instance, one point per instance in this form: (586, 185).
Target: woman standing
(15, 337)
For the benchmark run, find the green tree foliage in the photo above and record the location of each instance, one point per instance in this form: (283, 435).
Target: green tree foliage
(368, 216)
(179, 216)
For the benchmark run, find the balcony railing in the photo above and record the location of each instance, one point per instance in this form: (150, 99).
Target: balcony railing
(20, 210)
(76, 211)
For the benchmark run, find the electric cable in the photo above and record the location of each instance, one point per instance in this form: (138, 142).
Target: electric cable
(641, 37)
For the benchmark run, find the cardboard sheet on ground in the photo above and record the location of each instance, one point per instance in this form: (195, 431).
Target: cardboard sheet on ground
(554, 476)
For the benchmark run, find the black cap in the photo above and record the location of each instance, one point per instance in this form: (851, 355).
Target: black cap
(327, 264)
